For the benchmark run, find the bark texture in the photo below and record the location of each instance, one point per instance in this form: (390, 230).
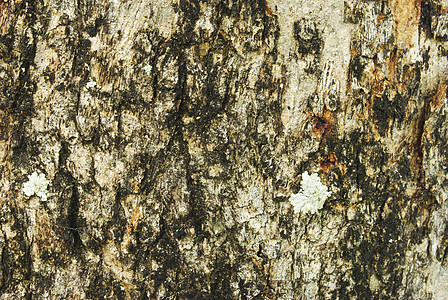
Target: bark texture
(174, 131)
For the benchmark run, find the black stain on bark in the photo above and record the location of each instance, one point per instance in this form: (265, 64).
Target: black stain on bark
(356, 67)
(308, 37)
(382, 111)
(426, 13)
(418, 143)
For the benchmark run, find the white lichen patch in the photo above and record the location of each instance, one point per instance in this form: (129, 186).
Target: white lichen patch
(91, 84)
(147, 69)
(36, 185)
(312, 195)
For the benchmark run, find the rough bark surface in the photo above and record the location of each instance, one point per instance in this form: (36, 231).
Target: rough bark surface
(174, 131)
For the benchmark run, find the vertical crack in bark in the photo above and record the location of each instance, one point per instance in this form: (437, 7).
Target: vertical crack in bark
(4, 265)
(425, 18)
(73, 205)
(72, 217)
(29, 269)
(418, 152)
(196, 211)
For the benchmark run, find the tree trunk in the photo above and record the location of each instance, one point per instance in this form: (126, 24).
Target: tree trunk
(173, 133)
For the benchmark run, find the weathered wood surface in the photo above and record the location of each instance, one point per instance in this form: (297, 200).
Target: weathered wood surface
(173, 133)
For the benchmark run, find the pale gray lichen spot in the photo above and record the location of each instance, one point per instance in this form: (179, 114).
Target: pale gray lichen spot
(36, 185)
(312, 195)
(147, 69)
(90, 84)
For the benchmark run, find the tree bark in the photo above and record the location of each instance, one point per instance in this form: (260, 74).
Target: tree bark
(173, 133)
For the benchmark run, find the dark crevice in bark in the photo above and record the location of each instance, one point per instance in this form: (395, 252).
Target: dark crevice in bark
(72, 217)
(196, 214)
(28, 276)
(426, 18)
(4, 266)
(67, 181)
(117, 224)
(418, 146)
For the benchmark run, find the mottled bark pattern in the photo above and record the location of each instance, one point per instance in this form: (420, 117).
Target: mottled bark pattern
(174, 131)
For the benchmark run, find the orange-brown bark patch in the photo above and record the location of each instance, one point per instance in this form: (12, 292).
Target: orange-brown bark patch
(438, 99)
(269, 11)
(406, 15)
(328, 161)
(6, 17)
(322, 124)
